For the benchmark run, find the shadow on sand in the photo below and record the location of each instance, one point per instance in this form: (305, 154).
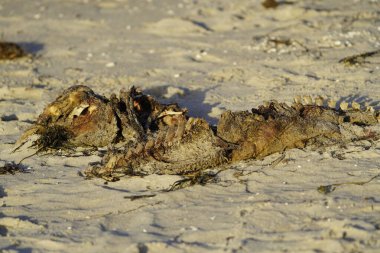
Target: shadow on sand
(193, 100)
(361, 100)
(31, 47)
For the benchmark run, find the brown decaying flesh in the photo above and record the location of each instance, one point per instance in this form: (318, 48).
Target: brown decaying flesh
(154, 138)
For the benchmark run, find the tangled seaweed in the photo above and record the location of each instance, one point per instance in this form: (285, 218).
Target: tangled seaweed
(12, 168)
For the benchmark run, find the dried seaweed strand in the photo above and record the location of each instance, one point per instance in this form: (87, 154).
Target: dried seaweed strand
(135, 197)
(326, 189)
(358, 58)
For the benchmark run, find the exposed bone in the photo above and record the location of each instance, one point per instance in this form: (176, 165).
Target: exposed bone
(319, 101)
(168, 113)
(308, 100)
(344, 106)
(370, 109)
(78, 110)
(332, 104)
(297, 99)
(355, 106)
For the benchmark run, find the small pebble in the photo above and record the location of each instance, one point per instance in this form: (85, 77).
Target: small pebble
(110, 65)
(193, 228)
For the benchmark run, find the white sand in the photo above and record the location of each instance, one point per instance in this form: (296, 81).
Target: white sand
(209, 56)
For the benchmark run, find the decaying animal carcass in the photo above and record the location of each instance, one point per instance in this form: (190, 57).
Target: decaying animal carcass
(148, 137)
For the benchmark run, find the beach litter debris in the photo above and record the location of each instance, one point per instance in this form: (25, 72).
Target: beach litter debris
(10, 51)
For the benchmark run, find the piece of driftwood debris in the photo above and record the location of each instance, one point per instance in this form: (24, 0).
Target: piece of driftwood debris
(358, 58)
(273, 4)
(326, 189)
(147, 137)
(269, 4)
(10, 51)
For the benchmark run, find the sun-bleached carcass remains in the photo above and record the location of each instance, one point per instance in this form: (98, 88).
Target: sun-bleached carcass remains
(147, 137)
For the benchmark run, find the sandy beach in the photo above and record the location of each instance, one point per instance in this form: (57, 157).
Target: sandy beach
(207, 56)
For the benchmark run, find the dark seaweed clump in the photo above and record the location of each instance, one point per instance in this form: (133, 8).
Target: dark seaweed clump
(54, 137)
(12, 168)
(10, 51)
(200, 178)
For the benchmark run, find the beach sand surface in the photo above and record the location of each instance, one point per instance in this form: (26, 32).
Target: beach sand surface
(208, 56)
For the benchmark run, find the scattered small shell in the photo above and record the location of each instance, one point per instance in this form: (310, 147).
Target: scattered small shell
(110, 65)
